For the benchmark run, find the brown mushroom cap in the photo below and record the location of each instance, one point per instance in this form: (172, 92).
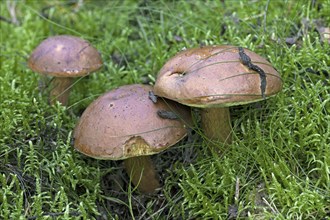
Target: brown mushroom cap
(213, 76)
(124, 123)
(65, 56)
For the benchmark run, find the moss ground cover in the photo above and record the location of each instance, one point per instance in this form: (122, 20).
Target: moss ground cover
(276, 168)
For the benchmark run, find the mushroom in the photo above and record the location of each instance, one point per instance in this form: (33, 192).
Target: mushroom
(127, 124)
(64, 57)
(214, 78)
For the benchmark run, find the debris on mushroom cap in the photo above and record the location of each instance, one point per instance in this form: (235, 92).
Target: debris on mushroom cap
(124, 123)
(65, 56)
(214, 76)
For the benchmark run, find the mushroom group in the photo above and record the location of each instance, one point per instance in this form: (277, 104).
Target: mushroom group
(132, 122)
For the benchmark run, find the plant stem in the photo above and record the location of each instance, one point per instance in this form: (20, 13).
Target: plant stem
(216, 124)
(142, 173)
(60, 90)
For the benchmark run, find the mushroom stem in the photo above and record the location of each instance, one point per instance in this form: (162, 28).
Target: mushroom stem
(60, 90)
(216, 124)
(142, 173)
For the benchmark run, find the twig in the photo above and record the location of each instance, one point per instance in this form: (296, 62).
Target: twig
(11, 6)
(79, 4)
(54, 214)
(237, 190)
(167, 115)
(5, 19)
(246, 61)
(153, 97)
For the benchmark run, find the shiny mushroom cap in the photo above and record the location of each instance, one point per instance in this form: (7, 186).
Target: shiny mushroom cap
(65, 56)
(124, 123)
(214, 76)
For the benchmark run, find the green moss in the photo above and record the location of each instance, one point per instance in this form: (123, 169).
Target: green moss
(277, 166)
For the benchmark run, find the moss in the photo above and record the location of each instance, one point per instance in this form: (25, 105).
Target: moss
(276, 167)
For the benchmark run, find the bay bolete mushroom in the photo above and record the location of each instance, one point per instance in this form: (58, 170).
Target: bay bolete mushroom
(64, 57)
(214, 78)
(127, 124)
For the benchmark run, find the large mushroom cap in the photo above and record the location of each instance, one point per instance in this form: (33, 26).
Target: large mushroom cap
(124, 123)
(214, 76)
(65, 56)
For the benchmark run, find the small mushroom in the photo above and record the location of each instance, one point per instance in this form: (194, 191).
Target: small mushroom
(123, 124)
(64, 57)
(214, 78)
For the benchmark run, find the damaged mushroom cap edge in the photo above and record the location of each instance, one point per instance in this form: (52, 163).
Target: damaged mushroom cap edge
(214, 78)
